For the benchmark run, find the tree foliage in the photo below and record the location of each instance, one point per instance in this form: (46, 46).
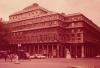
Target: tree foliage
(3, 34)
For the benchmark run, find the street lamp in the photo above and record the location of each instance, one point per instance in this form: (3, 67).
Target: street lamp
(17, 57)
(19, 45)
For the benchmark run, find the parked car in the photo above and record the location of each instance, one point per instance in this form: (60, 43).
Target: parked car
(32, 56)
(23, 54)
(98, 56)
(40, 56)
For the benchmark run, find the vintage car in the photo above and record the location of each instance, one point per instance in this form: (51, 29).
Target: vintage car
(23, 54)
(40, 56)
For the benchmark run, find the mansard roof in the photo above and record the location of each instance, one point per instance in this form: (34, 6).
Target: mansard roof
(87, 20)
(32, 7)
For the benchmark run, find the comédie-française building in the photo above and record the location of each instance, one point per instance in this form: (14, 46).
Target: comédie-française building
(55, 35)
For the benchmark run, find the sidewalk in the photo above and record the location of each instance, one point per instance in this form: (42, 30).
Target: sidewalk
(9, 61)
(53, 63)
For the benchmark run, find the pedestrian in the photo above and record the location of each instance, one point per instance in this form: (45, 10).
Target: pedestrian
(29, 58)
(11, 57)
(16, 59)
(5, 57)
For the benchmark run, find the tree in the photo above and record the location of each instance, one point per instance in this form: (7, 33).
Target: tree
(3, 34)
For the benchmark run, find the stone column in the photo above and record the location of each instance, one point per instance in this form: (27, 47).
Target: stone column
(38, 49)
(29, 49)
(42, 49)
(76, 51)
(61, 50)
(82, 51)
(33, 49)
(47, 52)
(52, 51)
(57, 51)
(70, 50)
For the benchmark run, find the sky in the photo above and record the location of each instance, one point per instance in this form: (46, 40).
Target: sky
(90, 8)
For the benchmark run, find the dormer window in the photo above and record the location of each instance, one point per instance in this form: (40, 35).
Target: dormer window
(32, 12)
(13, 17)
(36, 12)
(29, 14)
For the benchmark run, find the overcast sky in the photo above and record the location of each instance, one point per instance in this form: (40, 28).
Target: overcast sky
(90, 8)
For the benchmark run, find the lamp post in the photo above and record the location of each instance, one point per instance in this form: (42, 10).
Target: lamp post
(17, 57)
(19, 40)
(18, 50)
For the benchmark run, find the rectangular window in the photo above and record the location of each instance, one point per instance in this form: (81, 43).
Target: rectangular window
(73, 35)
(78, 34)
(73, 40)
(75, 30)
(72, 24)
(78, 39)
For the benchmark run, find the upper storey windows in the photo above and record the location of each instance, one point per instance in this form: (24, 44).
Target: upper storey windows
(74, 24)
(30, 14)
(74, 18)
(31, 11)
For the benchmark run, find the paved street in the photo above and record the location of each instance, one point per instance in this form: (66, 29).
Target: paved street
(52, 63)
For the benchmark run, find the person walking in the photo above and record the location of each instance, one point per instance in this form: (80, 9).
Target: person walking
(16, 59)
(5, 56)
(11, 57)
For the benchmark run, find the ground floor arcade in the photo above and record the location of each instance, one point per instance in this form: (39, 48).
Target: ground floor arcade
(57, 50)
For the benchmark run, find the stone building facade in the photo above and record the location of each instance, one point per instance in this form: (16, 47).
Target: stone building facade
(40, 31)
